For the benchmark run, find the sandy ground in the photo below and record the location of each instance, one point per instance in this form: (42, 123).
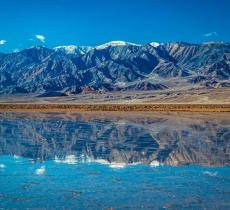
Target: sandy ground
(115, 107)
(192, 96)
(192, 100)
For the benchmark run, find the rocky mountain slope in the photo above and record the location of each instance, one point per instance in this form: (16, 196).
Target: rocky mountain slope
(115, 66)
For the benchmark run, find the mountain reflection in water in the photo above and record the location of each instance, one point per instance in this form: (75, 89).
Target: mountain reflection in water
(120, 139)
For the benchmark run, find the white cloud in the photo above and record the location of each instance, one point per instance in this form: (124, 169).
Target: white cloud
(214, 33)
(40, 37)
(2, 42)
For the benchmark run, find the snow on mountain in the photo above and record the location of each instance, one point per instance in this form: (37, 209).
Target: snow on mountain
(73, 49)
(114, 44)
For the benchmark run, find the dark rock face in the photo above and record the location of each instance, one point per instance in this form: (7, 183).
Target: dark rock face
(69, 69)
(52, 94)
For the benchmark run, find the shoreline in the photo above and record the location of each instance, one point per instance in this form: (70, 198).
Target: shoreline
(35, 107)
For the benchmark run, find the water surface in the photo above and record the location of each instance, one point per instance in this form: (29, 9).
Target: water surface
(114, 161)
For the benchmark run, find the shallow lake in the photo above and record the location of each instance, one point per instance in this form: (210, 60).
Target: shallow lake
(114, 161)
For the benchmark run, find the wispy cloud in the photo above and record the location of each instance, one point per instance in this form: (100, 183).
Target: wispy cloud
(40, 37)
(214, 33)
(2, 41)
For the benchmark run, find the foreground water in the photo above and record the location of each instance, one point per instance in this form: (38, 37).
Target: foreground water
(114, 161)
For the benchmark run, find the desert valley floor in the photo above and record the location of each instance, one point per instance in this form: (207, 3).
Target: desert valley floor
(188, 96)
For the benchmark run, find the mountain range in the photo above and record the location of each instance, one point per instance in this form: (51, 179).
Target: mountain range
(115, 66)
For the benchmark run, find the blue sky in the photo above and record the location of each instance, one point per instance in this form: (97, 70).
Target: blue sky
(93, 22)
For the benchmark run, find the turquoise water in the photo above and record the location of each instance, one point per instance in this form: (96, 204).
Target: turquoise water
(104, 161)
(96, 186)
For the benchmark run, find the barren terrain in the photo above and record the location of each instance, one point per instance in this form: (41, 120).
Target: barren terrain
(194, 100)
(190, 96)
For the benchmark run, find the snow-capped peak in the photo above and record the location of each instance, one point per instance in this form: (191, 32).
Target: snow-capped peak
(155, 44)
(212, 42)
(68, 49)
(114, 44)
(73, 49)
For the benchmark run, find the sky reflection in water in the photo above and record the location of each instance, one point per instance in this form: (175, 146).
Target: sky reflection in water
(104, 160)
